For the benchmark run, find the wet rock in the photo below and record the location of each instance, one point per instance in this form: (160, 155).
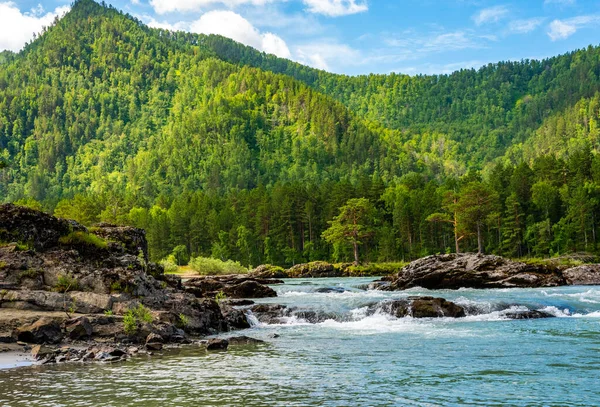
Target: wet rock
(453, 271)
(328, 290)
(244, 340)
(530, 314)
(217, 344)
(154, 342)
(78, 328)
(249, 289)
(236, 319)
(239, 303)
(419, 307)
(44, 330)
(588, 274)
(41, 352)
(269, 313)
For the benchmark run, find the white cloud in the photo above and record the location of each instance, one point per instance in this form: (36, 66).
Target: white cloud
(336, 8)
(16, 28)
(166, 6)
(177, 26)
(323, 55)
(560, 2)
(525, 26)
(490, 15)
(236, 27)
(561, 29)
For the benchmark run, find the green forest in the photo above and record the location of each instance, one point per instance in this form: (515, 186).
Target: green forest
(219, 150)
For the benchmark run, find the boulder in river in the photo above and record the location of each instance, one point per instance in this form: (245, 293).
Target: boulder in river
(217, 344)
(453, 271)
(419, 307)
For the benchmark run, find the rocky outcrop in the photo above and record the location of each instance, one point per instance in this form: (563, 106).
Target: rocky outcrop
(235, 287)
(317, 269)
(527, 314)
(50, 265)
(453, 271)
(419, 307)
(588, 274)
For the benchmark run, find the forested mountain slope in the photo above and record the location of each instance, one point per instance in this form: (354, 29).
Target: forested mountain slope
(217, 149)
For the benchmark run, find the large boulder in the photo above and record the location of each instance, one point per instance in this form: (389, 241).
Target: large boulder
(453, 271)
(419, 307)
(231, 286)
(269, 271)
(249, 289)
(44, 330)
(316, 269)
(588, 274)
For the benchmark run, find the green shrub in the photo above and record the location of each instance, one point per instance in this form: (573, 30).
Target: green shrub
(29, 273)
(84, 239)
(373, 269)
(210, 266)
(2, 264)
(109, 312)
(183, 321)
(134, 317)
(220, 297)
(169, 265)
(66, 283)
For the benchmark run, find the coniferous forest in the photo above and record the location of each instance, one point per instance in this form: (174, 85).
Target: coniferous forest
(219, 150)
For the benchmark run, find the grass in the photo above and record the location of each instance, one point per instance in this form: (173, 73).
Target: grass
(66, 283)
(83, 238)
(373, 269)
(29, 273)
(563, 261)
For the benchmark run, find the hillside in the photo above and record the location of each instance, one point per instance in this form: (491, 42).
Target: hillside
(217, 149)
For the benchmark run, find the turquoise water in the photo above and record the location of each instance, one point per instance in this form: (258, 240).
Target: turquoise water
(358, 360)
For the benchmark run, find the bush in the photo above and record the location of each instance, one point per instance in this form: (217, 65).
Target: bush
(134, 317)
(169, 265)
(83, 238)
(210, 266)
(373, 269)
(66, 283)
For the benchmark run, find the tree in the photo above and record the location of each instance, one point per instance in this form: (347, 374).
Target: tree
(475, 202)
(352, 225)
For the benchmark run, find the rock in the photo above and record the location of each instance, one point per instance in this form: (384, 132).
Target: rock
(78, 328)
(41, 352)
(236, 319)
(44, 330)
(89, 356)
(328, 290)
(419, 307)
(244, 340)
(453, 271)
(269, 271)
(239, 303)
(531, 314)
(588, 274)
(133, 240)
(317, 269)
(154, 342)
(249, 289)
(217, 344)
(269, 313)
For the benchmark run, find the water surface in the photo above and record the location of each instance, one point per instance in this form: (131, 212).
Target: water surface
(353, 359)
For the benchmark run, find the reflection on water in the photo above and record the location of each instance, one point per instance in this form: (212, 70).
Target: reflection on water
(356, 360)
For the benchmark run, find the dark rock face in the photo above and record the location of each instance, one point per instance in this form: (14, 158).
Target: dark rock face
(235, 287)
(420, 307)
(269, 313)
(45, 330)
(453, 271)
(531, 314)
(236, 318)
(588, 274)
(78, 328)
(217, 344)
(133, 240)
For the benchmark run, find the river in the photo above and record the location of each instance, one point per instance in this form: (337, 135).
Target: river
(357, 360)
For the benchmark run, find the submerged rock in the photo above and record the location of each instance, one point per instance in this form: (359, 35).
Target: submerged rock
(453, 271)
(244, 340)
(419, 307)
(529, 314)
(217, 344)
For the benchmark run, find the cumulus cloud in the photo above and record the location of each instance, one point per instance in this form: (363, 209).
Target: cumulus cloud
(490, 15)
(16, 27)
(525, 26)
(336, 8)
(323, 55)
(561, 29)
(232, 25)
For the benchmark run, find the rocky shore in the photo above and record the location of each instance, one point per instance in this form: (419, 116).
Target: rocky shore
(62, 284)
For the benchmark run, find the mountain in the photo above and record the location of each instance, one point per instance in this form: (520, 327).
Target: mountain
(218, 149)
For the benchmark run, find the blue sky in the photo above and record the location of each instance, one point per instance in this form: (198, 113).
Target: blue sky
(358, 36)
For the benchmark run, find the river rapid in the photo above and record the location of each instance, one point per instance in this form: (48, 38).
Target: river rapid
(354, 359)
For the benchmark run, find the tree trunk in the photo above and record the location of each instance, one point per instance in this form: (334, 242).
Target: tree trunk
(479, 239)
(355, 253)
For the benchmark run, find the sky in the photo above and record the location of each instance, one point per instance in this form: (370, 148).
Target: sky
(356, 36)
